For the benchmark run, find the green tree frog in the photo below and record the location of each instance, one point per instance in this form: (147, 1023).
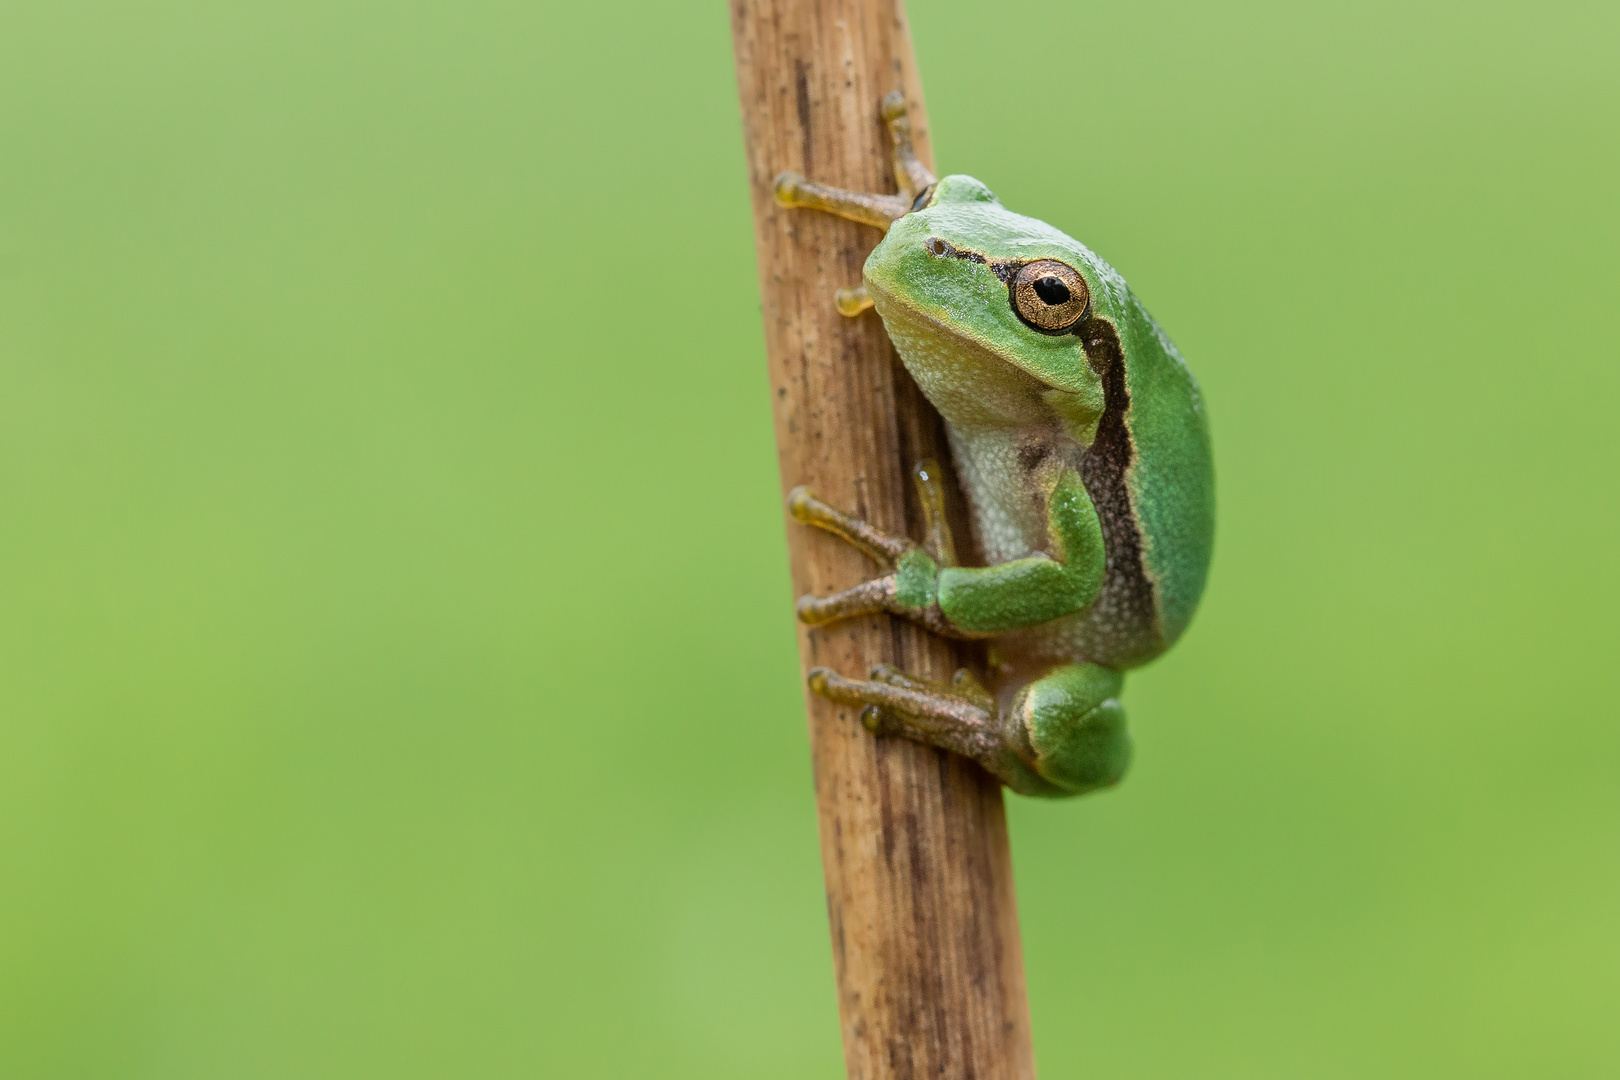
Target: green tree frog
(1080, 440)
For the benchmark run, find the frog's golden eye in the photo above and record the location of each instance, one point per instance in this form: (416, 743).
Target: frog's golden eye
(1050, 296)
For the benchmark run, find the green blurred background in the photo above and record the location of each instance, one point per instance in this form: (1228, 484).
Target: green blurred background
(373, 702)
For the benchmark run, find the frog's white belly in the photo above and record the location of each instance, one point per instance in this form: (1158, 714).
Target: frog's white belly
(1004, 477)
(1008, 511)
(1009, 447)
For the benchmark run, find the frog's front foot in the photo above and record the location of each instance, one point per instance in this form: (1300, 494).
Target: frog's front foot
(888, 593)
(908, 589)
(879, 546)
(912, 179)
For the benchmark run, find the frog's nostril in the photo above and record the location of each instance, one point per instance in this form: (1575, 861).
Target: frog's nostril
(940, 247)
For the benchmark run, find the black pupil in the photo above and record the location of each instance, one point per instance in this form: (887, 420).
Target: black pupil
(1051, 290)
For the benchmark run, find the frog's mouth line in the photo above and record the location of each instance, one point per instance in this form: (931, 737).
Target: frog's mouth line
(882, 297)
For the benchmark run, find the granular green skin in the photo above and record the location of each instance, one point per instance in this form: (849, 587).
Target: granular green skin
(1084, 455)
(989, 373)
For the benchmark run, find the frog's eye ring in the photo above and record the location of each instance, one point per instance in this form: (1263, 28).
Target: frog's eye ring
(1049, 296)
(925, 198)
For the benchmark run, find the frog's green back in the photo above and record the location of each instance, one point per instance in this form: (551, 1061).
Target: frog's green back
(939, 275)
(1171, 476)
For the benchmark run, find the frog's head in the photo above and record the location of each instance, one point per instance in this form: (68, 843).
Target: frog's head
(987, 306)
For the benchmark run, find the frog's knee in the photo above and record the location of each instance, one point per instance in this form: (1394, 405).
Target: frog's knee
(1072, 728)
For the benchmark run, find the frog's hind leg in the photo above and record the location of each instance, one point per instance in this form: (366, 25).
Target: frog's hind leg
(1061, 735)
(896, 704)
(963, 685)
(1069, 728)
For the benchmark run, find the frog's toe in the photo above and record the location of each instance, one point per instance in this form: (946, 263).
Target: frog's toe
(880, 721)
(888, 673)
(884, 549)
(787, 187)
(966, 684)
(895, 704)
(801, 502)
(864, 599)
(851, 302)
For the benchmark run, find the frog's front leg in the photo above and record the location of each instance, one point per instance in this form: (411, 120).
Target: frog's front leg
(926, 587)
(911, 177)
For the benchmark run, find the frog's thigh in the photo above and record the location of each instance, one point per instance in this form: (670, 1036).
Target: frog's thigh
(1073, 727)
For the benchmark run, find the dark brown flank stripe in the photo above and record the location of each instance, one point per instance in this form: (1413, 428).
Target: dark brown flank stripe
(1125, 605)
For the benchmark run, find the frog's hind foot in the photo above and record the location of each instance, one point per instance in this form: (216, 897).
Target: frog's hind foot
(896, 704)
(1061, 735)
(963, 685)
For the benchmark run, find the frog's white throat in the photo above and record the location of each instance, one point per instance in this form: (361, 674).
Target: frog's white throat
(973, 387)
